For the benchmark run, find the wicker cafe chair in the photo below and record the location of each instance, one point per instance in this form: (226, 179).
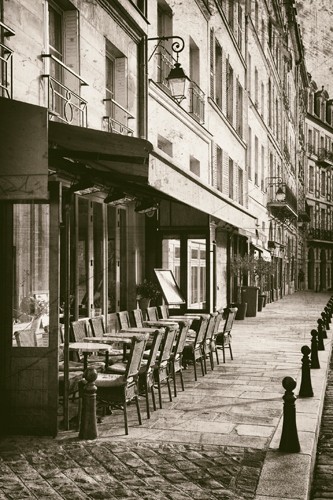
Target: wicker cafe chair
(79, 332)
(124, 319)
(176, 357)
(208, 347)
(146, 373)
(217, 329)
(193, 350)
(25, 338)
(137, 317)
(116, 391)
(97, 328)
(152, 313)
(224, 338)
(162, 369)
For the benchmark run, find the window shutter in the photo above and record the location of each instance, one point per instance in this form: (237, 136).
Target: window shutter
(225, 182)
(219, 168)
(212, 63)
(213, 164)
(245, 190)
(71, 48)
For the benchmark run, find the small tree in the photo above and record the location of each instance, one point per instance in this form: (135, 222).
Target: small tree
(240, 267)
(263, 270)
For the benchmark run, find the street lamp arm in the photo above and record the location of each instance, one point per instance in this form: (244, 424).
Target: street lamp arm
(177, 46)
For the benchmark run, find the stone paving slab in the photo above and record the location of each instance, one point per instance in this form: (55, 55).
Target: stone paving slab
(218, 439)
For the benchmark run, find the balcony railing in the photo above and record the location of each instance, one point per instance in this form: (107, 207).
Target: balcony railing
(320, 234)
(6, 63)
(282, 209)
(195, 97)
(325, 157)
(63, 102)
(117, 117)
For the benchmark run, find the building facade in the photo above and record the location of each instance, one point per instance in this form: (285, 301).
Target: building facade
(108, 175)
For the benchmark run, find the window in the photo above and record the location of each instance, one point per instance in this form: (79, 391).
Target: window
(262, 168)
(256, 161)
(240, 28)
(164, 145)
(240, 187)
(194, 62)
(239, 110)
(218, 74)
(196, 288)
(269, 103)
(219, 168)
(230, 92)
(249, 69)
(323, 183)
(256, 15)
(249, 153)
(194, 165)
(231, 178)
(323, 218)
(116, 90)
(256, 88)
(311, 178)
(262, 99)
(231, 18)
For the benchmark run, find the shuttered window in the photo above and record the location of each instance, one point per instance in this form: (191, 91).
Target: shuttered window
(219, 168)
(239, 110)
(212, 64)
(229, 92)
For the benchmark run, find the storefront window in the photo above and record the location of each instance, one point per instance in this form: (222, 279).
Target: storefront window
(81, 257)
(31, 275)
(197, 273)
(171, 257)
(98, 256)
(112, 268)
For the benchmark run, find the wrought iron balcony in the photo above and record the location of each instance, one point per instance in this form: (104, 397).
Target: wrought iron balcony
(63, 101)
(195, 97)
(320, 234)
(325, 157)
(6, 63)
(282, 202)
(117, 117)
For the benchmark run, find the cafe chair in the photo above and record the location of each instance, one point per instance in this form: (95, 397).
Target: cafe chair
(152, 313)
(163, 311)
(146, 373)
(224, 338)
(137, 318)
(124, 320)
(116, 391)
(194, 350)
(97, 328)
(162, 369)
(78, 333)
(176, 358)
(217, 329)
(73, 366)
(208, 347)
(25, 338)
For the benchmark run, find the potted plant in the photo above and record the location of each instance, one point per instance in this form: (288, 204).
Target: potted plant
(241, 266)
(147, 291)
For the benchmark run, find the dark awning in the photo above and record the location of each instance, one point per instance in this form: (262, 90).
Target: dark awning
(103, 151)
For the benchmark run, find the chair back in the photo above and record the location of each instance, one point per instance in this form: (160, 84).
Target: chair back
(155, 345)
(35, 325)
(97, 326)
(124, 320)
(200, 336)
(78, 330)
(152, 313)
(25, 338)
(164, 311)
(167, 344)
(210, 327)
(136, 354)
(231, 314)
(219, 318)
(182, 335)
(137, 318)
(112, 323)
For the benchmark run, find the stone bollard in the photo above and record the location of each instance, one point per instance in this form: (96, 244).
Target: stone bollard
(321, 334)
(305, 390)
(88, 423)
(328, 312)
(289, 437)
(314, 350)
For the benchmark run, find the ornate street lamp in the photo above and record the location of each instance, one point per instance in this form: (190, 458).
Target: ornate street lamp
(177, 79)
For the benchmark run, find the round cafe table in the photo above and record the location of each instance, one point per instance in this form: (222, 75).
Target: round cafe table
(86, 348)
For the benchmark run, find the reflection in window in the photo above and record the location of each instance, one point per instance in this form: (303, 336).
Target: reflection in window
(171, 257)
(31, 275)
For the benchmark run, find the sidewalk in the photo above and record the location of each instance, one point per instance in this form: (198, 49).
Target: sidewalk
(217, 440)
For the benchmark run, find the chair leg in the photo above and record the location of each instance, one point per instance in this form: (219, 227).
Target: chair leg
(211, 360)
(138, 409)
(159, 391)
(217, 356)
(204, 361)
(169, 388)
(174, 380)
(153, 397)
(147, 399)
(202, 366)
(125, 417)
(181, 379)
(223, 352)
(195, 367)
(230, 352)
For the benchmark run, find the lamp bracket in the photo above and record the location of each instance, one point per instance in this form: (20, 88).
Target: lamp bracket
(176, 46)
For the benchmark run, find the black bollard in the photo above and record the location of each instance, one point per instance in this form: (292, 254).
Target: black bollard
(314, 350)
(328, 312)
(305, 390)
(325, 320)
(322, 326)
(289, 437)
(320, 337)
(88, 423)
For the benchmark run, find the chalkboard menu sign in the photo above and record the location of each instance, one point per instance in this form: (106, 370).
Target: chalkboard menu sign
(171, 291)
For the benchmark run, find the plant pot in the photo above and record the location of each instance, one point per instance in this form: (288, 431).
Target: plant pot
(261, 301)
(144, 303)
(242, 308)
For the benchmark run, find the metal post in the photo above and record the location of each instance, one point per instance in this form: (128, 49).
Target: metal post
(314, 350)
(305, 390)
(88, 422)
(321, 330)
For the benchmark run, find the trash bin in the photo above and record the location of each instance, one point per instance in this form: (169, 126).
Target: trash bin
(250, 295)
